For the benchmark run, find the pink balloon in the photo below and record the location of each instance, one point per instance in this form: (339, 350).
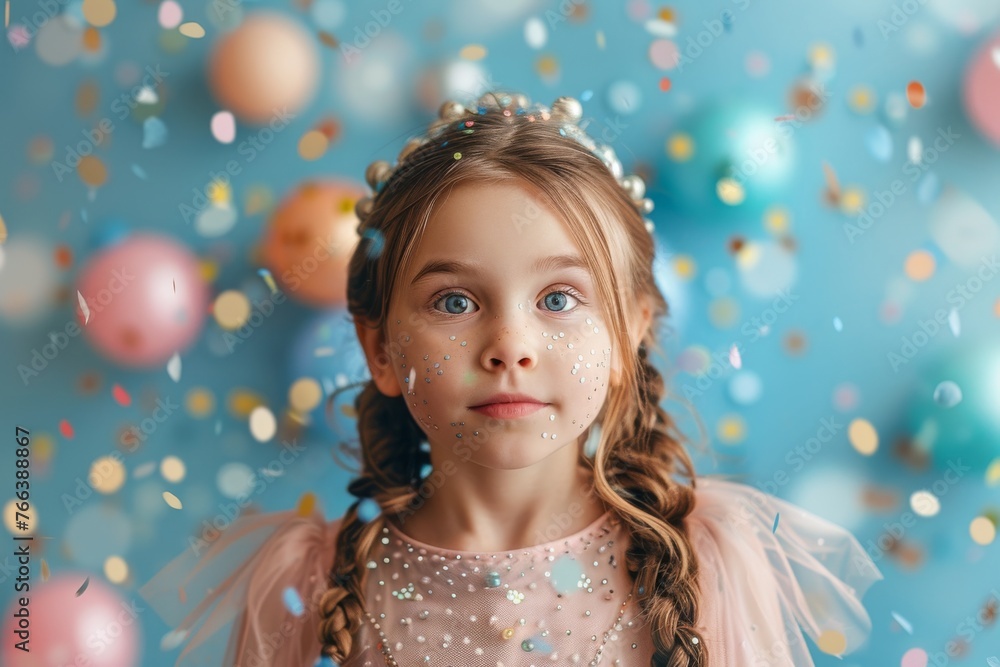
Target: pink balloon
(982, 89)
(98, 628)
(146, 299)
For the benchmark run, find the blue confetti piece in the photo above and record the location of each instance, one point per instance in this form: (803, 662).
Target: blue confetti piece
(879, 143)
(292, 600)
(586, 95)
(377, 242)
(83, 215)
(929, 188)
(154, 132)
(138, 171)
(368, 510)
(903, 623)
(774, 528)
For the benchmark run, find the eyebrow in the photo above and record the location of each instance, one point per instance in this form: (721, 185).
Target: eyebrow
(541, 265)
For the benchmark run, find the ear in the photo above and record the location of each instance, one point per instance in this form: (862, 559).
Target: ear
(642, 316)
(377, 356)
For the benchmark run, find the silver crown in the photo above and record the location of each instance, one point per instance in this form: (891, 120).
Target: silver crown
(567, 111)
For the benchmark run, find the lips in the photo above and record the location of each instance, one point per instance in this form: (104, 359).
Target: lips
(507, 398)
(508, 406)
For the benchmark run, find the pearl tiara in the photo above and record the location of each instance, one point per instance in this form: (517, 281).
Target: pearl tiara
(567, 111)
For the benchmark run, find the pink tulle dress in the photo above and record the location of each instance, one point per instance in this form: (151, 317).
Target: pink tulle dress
(769, 572)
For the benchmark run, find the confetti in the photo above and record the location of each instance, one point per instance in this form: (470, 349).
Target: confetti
(313, 145)
(80, 591)
(947, 394)
(173, 639)
(292, 600)
(915, 657)
(139, 171)
(735, 360)
(863, 436)
(83, 307)
(996, 56)
(174, 367)
(368, 510)
(92, 171)
(65, 429)
(879, 143)
(223, 127)
(837, 324)
(121, 396)
(665, 84)
(154, 132)
(263, 424)
(954, 323)
(192, 29)
(170, 14)
(3, 230)
(172, 469)
(307, 503)
(473, 52)
(774, 528)
(99, 13)
(269, 279)
(45, 570)
(993, 473)
(925, 503)
(172, 500)
(832, 642)
(600, 40)
(915, 94)
(915, 150)
(832, 192)
(982, 530)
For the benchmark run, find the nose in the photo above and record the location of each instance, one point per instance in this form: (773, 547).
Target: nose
(507, 349)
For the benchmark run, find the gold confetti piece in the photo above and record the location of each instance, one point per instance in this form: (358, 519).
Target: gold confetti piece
(600, 40)
(832, 642)
(172, 500)
(3, 230)
(993, 473)
(92, 171)
(200, 402)
(116, 569)
(307, 503)
(680, 147)
(305, 394)
(731, 429)
(107, 475)
(87, 98)
(174, 367)
(231, 309)
(863, 436)
(472, 52)
(242, 402)
(982, 531)
(99, 13)
(83, 588)
(919, 265)
(92, 39)
(192, 29)
(172, 469)
(269, 279)
(313, 145)
(45, 570)
(832, 193)
(263, 424)
(730, 191)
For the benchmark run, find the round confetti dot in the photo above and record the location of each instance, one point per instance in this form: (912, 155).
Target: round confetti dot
(170, 14)
(304, 394)
(66, 429)
(664, 54)
(116, 569)
(915, 657)
(224, 127)
(862, 99)
(925, 503)
(919, 265)
(993, 472)
(535, 33)
(731, 429)
(680, 147)
(192, 29)
(982, 530)
(368, 510)
(723, 312)
(821, 56)
(776, 220)
(745, 387)
(915, 94)
(863, 436)
(107, 474)
(231, 309)
(172, 469)
(473, 52)
(757, 64)
(845, 397)
(263, 424)
(852, 200)
(832, 642)
(693, 360)
(99, 13)
(242, 402)
(665, 84)
(92, 171)
(121, 396)
(547, 67)
(947, 394)
(685, 267)
(234, 480)
(313, 145)
(200, 402)
(730, 191)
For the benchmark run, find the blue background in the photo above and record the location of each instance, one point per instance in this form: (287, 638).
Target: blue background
(833, 278)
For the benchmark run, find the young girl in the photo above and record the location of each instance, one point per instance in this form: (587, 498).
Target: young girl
(504, 297)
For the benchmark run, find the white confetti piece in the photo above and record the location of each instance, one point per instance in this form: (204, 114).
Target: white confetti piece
(83, 307)
(734, 357)
(174, 367)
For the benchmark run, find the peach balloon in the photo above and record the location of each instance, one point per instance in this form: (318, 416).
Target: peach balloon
(309, 241)
(268, 65)
(146, 299)
(982, 89)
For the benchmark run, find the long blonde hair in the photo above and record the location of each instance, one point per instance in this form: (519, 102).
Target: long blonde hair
(640, 450)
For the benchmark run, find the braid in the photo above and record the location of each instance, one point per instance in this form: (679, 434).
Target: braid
(659, 557)
(392, 460)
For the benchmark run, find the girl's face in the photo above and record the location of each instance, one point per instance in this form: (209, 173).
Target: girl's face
(486, 309)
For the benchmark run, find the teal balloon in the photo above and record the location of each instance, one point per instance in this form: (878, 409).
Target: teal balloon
(738, 143)
(955, 414)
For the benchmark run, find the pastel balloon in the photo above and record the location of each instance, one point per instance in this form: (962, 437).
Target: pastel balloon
(268, 65)
(309, 241)
(96, 628)
(145, 299)
(981, 89)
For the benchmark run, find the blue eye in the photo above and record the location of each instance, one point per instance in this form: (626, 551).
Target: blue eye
(456, 303)
(560, 299)
(459, 301)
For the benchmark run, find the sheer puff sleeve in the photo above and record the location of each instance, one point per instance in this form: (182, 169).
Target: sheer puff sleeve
(251, 596)
(767, 570)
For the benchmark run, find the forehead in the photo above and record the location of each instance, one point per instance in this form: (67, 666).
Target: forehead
(492, 223)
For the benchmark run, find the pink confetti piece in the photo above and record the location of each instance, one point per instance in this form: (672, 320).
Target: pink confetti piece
(734, 357)
(121, 396)
(66, 429)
